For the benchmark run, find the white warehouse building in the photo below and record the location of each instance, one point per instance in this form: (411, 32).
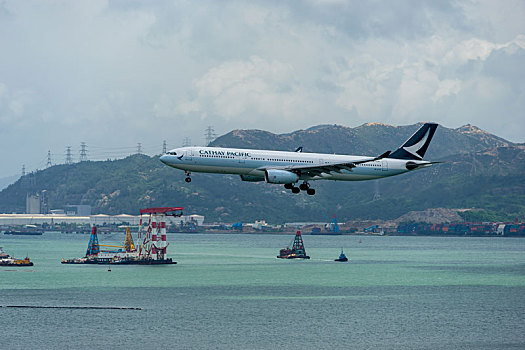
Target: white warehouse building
(97, 220)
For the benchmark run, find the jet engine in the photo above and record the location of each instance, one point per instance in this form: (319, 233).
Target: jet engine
(251, 178)
(277, 176)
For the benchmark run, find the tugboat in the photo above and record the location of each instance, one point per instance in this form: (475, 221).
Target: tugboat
(297, 251)
(6, 260)
(342, 257)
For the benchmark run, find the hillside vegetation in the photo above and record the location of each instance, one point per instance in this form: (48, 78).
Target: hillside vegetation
(480, 171)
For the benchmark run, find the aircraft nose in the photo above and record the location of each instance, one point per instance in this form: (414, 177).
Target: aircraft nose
(164, 159)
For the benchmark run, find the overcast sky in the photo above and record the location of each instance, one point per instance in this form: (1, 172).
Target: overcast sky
(115, 73)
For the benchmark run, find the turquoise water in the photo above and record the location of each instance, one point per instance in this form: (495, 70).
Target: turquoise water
(230, 291)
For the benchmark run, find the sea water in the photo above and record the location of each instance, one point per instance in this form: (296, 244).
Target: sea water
(231, 292)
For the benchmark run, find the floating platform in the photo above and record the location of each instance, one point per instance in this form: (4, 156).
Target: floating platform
(292, 256)
(97, 261)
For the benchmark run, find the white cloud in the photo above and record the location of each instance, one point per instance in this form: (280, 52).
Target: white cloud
(257, 90)
(165, 70)
(447, 87)
(13, 105)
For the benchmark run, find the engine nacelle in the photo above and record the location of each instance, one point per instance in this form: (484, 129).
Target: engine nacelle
(411, 165)
(251, 178)
(277, 176)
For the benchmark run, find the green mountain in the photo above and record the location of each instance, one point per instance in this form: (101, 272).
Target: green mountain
(480, 171)
(367, 139)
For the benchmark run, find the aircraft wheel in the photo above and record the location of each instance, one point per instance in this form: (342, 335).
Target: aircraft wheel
(310, 191)
(288, 186)
(304, 186)
(295, 190)
(188, 179)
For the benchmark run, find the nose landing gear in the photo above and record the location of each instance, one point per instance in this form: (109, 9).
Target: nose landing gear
(188, 178)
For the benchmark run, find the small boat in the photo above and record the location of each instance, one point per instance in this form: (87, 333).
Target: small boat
(342, 257)
(16, 262)
(6, 260)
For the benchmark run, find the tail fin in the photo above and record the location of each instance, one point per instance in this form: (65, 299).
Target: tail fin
(416, 146)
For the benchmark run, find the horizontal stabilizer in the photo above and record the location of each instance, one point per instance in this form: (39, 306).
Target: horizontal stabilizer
(384, 155)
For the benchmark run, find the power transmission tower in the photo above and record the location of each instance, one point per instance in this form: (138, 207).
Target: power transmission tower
(164, 147)
(68, 155)
(210, 135)
(83, 152)
(186, 142)
(139, 148)
(48, 159)
(23, 170)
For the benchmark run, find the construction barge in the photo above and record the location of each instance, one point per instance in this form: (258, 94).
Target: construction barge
(151, 251)
(297, 251)
(124, 261)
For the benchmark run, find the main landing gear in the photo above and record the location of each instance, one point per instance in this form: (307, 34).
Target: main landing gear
(188, 178)
(302, 187)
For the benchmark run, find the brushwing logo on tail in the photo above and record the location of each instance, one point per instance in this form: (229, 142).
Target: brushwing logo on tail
(417, 146)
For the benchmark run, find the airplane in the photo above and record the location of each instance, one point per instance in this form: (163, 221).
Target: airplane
(290, 168)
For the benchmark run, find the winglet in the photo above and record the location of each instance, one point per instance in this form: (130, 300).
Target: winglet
(299, 149)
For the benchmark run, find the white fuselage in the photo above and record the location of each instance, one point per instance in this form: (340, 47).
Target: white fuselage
(251, 162)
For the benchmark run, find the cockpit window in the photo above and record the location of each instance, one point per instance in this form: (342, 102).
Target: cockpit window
(172, 153)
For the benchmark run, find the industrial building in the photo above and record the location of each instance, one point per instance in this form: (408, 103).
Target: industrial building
(98, 220)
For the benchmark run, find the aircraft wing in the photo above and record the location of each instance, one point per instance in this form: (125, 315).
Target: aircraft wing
(327, 168)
